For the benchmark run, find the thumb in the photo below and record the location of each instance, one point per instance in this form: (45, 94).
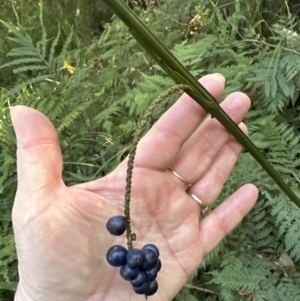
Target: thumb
(39, 159)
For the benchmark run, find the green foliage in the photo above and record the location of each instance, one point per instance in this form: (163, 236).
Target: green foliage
(94, 84)
(185, 295)
(33, 59)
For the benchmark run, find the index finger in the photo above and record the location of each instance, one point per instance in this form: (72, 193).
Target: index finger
(160, 146)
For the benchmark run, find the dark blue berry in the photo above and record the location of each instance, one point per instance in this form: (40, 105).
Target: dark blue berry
(128, 273)
(150, 259)
(152, 288)
(135, 258)
(116, 256)
(158, 266)
(116, 225)
(151, 247)
(141, 290)
(151, 274)
(139, 280)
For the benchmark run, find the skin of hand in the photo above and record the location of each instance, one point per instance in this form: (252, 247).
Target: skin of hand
(60, 231)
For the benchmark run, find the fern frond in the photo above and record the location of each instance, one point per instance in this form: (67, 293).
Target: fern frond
(30, 81)
(43, 41)
(22, 61)
(61, 57)
(20, 38)
(53, 46)
(29, 68)
(24, 51)
(74, 114)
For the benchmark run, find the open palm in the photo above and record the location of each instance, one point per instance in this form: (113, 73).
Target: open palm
(60, 231)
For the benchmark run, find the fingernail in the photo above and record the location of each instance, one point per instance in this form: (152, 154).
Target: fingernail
(220, 75)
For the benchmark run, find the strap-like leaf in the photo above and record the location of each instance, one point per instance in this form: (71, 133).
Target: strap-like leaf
(194, 89)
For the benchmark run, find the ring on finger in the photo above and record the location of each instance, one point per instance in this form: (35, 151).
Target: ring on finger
(180, 177)
(202, 206)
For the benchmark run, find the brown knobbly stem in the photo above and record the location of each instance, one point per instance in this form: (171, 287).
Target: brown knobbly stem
(137, 136)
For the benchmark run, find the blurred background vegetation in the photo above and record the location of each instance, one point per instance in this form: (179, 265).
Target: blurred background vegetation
(77, 63)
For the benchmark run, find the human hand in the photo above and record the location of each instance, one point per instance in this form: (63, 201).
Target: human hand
(60, 231)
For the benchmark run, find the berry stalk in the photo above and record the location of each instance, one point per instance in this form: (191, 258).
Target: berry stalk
(137, 136)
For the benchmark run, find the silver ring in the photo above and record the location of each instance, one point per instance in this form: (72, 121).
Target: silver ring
(203, 207)
(187, 183)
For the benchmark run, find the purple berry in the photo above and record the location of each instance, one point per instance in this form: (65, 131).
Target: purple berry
(139, 280)
(116, 225)
(116, 256)
(135, 258)
(152, 288)
(141, 290)
(128, 273)
(151, 274)
(158, 266)
(151, 247)
(150, 259)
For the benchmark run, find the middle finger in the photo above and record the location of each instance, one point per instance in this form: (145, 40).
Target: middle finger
(202, 147)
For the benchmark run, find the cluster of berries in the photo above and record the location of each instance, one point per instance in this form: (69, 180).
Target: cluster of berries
(140, 267)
